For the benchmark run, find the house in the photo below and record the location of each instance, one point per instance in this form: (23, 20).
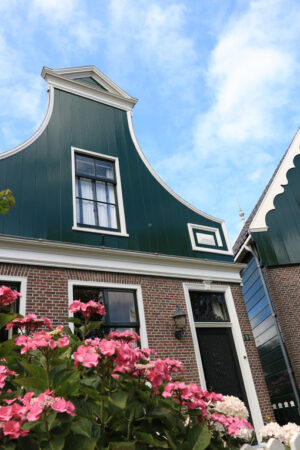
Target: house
(269, 244)
(94, 221)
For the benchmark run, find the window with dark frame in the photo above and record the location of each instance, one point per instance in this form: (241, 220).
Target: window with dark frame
(96, 197)
(120, 305)
(13, 308)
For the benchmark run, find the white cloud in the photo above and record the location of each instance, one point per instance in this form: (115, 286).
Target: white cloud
(252, 71)
(155, 34)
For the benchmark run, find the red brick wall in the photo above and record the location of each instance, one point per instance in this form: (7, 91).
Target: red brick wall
(284, 285)
(47, 294)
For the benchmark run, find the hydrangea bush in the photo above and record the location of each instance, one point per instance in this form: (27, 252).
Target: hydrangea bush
(65, 390)
(283, 433)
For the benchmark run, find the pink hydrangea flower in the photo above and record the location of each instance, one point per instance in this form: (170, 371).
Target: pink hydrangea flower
(87, 356)
(124, 336)
(87, 309)
(30, 322)
(8, 296)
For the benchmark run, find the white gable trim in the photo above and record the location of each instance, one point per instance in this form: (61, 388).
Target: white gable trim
(111, 98)
(38, 132)
(276, 187)
(93, 72)
(164, 185)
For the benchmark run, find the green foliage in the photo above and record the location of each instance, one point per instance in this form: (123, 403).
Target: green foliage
(7, 201)
(111, 412)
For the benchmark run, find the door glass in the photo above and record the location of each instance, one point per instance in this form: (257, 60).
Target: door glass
(209, 307)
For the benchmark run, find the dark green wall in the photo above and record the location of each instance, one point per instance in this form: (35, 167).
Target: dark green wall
(281, 243)
(40, 178)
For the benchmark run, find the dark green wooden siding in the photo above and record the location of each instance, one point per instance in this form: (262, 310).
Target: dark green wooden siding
(280, 245)
(40, 178)
(266, 339)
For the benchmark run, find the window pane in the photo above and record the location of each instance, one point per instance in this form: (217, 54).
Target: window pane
(104, 169)
(101, 191)
(85, 212)
(209, 307)
(103, 216)
(105, 192)
(112, 216)
(121, 306)
(84, 188)
(85, 165)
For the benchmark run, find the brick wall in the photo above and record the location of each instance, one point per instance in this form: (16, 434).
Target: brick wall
(284, 285)
(47, 294)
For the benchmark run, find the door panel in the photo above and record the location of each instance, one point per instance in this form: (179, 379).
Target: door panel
(220, 364)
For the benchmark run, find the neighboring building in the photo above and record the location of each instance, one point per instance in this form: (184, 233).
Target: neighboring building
(94, 221)
(269, 244)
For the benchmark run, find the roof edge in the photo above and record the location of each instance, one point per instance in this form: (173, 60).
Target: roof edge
(258, 223)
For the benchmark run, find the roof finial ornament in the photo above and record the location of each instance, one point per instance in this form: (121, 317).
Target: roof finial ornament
(241, 214)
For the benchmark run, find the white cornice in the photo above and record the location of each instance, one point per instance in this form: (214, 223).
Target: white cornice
(56, 254)
(114, 96)
(39, 131)
(276, 187)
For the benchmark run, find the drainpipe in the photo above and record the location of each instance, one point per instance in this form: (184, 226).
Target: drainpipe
(251, 248)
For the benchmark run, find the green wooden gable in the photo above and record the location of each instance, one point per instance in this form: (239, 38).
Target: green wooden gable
(82, 116)
(279, 241)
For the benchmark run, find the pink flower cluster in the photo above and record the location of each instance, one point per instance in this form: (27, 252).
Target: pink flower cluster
(40, 340)
(30, 322)
(8, 296)
(4, 372)
(239, 428)
(126, 358)
(30, 408)
(87, 309)
(191, 396)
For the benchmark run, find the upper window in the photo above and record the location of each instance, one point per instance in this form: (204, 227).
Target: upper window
(98, 195)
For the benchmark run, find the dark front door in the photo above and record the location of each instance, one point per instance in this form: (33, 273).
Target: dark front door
(220, 364)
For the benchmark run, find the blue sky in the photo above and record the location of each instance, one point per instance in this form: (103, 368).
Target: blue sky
(218, 83)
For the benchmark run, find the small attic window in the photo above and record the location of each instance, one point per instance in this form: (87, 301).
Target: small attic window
(97, 195)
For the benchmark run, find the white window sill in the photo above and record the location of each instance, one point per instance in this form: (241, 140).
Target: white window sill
(94, 230)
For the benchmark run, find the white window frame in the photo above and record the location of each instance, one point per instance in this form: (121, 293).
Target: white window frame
(237, 339)
(130, 287)
(215, 232)
(120, 205)
(23, 290)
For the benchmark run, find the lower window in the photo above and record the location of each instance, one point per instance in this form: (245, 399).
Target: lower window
(120, 305)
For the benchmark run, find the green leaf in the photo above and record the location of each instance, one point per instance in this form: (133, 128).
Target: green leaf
(74, 320)
(35, 371)
(57, 443)
(78, 442)
(199, 437)
(93, 325)
(6, 318)
(7, 201)
(32, 383)
(82, 426)
(7, 347)
(122, 445)
(119, 399)
(149, 439)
